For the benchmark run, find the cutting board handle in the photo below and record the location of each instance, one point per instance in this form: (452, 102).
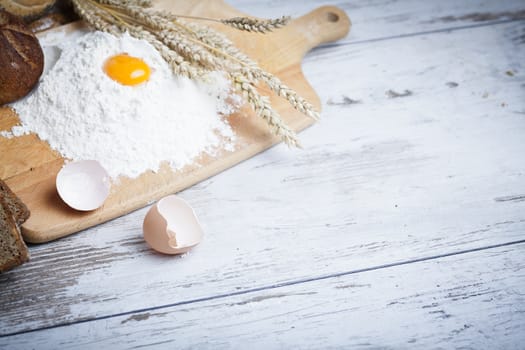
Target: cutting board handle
(324, 24)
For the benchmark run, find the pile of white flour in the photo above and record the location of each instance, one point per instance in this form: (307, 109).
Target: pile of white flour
(83, 114)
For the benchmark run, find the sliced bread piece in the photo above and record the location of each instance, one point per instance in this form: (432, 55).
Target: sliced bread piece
(13, 250)
(15, 205)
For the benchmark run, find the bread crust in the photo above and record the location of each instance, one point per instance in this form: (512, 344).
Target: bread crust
(21, 58)
(29, 9)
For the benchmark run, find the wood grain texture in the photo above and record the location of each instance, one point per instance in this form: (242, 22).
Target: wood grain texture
(473, 301)
(384, 180)
(418, 155)
(279, 52)
(387, 19)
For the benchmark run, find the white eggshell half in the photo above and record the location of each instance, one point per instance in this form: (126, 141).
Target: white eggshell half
(171, 226)
(83, 185)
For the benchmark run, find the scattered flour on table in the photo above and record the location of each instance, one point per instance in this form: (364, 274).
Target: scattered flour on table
(83, 114)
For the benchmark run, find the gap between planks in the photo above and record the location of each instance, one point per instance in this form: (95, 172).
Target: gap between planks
(269, 287)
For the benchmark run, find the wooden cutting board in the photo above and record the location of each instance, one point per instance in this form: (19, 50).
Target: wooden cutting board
(29, 165)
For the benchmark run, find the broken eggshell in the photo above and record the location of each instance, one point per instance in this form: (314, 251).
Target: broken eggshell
(83, 185)
(171, 226)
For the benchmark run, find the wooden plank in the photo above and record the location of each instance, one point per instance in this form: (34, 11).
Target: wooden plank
(384, 180)
(52, 219)
(380, 19)
(474, 300)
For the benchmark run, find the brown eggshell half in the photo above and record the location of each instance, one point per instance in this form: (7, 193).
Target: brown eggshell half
(171, 226)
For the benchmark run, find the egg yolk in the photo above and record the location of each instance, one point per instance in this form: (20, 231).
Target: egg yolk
(127, 70)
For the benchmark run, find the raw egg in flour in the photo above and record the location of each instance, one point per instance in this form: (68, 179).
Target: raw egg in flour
(127, 70)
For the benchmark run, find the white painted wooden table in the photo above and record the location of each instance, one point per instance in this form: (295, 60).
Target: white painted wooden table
(400, 225)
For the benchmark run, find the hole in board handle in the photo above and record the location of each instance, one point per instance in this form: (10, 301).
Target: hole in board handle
(332, 17)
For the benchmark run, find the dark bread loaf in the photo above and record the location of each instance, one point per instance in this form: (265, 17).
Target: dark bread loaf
(28, 9)
(21, 58)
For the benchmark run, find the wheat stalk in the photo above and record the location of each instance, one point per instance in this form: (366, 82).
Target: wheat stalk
(262, 107)
(194, 50)
(256, 25)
